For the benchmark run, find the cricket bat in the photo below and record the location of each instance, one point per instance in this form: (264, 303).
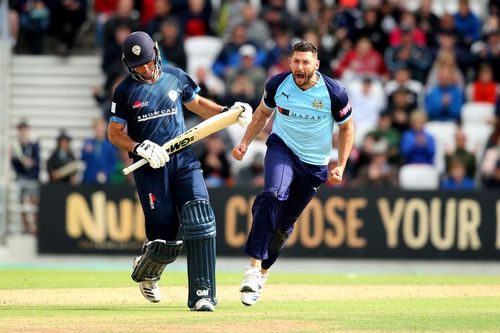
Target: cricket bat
(196, 133)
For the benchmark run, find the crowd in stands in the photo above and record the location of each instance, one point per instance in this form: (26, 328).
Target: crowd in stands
(410, 75)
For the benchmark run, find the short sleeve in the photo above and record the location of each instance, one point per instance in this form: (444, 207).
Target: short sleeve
(271, 88)
(119, 107)
(340, 106)
(189, 88)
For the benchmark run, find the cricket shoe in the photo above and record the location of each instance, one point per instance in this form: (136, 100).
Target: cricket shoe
(149, 288)
(203, 304)
(251, 287)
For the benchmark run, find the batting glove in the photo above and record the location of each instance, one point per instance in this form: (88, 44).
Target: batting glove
(153, 153)
(245, 116)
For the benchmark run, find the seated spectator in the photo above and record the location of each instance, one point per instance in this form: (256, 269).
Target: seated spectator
(379, 173)
(490, 166)
(407, 22)
(456, 178)
(399, 106)
(362, 61)
(125, 14)
(253, 174)
(103, 10)
(257, 30)
(386, 132)
(467, 24)
(162, 9)
(257, 74)
(416, 58)
(484, 88)
(446, 59)
(117, 177)
(171, 45)
(364, 93)
(25, 158)
(242, 89)
(99, 155)
(448, 52)
(417, 146)
(487, 51)
(402, 79)
(371, 28)
(229, 56)
(461, 153)
(427, 21)
(34, 20)
(196, 18)
(214, 163)
(62, 165)
(66, 19)
(444, 101)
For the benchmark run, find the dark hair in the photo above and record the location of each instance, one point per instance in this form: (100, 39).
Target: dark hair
(304, 46)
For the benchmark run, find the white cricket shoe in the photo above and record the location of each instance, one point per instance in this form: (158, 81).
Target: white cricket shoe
(149, 288)
(203, 304)
(250, 296)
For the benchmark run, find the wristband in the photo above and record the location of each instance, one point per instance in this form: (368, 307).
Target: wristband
(134, 150)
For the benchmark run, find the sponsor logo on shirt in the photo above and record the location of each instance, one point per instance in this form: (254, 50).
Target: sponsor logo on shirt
(156, 114)
(152, 200)
(295, 114)
(139, 104)
(345, 110)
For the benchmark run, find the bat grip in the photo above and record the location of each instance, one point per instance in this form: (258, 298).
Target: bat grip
(134, 166)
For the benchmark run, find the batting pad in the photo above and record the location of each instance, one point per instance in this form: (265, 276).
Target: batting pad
(198, 230)
(157, 255)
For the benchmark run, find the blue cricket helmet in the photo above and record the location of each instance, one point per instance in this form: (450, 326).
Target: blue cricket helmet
(139, 49)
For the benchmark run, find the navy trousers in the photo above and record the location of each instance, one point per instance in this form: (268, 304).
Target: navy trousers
(164, 191)
(289, 185)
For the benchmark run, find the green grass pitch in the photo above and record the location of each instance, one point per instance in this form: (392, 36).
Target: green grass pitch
(50, 300)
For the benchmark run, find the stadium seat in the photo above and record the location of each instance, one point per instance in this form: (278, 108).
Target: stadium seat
(477, 112)
(444, 136)
(418, 177)
(201, 51)
(477, 136)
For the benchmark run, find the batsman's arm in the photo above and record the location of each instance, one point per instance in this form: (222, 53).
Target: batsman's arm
(203, 107)
(118, 136)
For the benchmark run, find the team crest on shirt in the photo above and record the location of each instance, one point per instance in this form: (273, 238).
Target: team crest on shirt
(173, 95)
(317, 104)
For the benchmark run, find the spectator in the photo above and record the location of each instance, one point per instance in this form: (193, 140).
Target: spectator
(277, 16)
(416, 58)
(172, 45)
(379, 173)
(229, 57)
(362, 61)
(489, 52)
(241, 89)
(66, 19)
(444, 101)
(366, 92)
(456, 178)
(402, 79)
(162, 11)
(99, 155)
(34, 20)
(117, 177)
(125, 14)
(325, 54)
(484, 89)
(103, 10)
(417, 146)
(26, 154)
(372, 30)
(407, 25)
(399, 106)
(492, 180)
(196, 18)
(384, 131)
(254, 72)
(26, 162)
(253, 174)
(467, 24)
(427, 21)
(281, 44)
(448, 52)
(62, 165)
(490, 166)
(214, 163)
(257, 29)
(461, 154)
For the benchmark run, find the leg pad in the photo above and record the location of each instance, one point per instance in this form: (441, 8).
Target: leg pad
(157, 255)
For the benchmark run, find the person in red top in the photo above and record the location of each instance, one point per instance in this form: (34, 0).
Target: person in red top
(363, 60)
(484, 88)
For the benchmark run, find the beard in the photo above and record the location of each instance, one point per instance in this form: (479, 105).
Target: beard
(304, 80)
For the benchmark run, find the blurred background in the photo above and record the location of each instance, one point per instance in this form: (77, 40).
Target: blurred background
(423, 178)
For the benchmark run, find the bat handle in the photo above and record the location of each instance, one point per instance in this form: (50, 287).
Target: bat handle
(134, 166)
